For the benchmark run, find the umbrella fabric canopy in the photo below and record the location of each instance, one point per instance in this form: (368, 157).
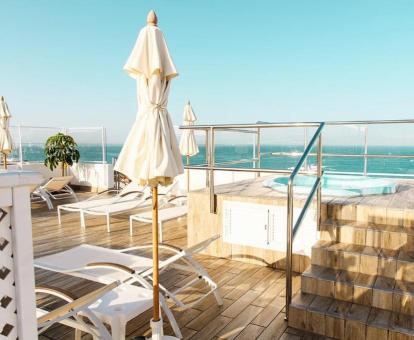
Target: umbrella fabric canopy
(150, 154)
(188, 144)
(6, 144)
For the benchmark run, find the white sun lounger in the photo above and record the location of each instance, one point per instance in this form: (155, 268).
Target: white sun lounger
(75, 262)
(115, 307)
(70, 313)
(164, 215)
(55, 188)
(125, 202)
(131, 191)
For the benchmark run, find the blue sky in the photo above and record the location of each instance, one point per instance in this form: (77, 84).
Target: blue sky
(239, 61)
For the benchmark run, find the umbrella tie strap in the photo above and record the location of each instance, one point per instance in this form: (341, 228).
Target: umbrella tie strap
(158, 107)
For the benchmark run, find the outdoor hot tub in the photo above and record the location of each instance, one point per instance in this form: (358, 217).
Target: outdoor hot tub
(335, 185)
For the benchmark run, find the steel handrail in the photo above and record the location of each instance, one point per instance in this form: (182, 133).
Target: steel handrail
(297, 124)
(253, 170)
(292, 230)
(248, 126)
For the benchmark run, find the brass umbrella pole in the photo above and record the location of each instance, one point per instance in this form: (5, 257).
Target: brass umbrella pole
(156, 293)
(188, 173)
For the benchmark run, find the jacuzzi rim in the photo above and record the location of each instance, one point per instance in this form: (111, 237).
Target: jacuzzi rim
(389, 188)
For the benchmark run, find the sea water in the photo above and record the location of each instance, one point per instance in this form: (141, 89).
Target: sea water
(229, 153)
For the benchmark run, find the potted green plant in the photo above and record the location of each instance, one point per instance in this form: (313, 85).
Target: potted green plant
(61, 149)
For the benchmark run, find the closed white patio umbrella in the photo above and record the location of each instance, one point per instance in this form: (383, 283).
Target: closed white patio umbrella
(188, 143)
(6, 143)
(150, 154)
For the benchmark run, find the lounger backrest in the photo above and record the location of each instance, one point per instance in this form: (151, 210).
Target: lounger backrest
(131, 187)
(169, 190)
(57, 183)
(33, 188)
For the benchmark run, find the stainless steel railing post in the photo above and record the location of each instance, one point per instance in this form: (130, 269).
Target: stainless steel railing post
(207, 148)
(211, 163)
(258, 162)
(290, 228)
(289, 247)
(103, 141)
(305, 144)
(319, 192)
(366, 151)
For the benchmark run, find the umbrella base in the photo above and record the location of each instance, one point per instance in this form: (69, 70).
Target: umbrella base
(158, 331)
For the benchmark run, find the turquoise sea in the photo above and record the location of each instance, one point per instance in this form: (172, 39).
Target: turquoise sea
(225, 153)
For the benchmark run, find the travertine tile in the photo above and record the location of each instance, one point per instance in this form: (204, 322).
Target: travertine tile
(401, 327)
(344, 287)
(298, 307)
(408, 218)
(403, 298)
(387, 265)
(395, 216)
(369, 261)
(383, 293)
(373, 238)
(335, 319)
(363, 289)
(362, 213)
(318, 255)
(356, 319)
(316, 314)
(405, 266)
(392, 240)
(378, 324)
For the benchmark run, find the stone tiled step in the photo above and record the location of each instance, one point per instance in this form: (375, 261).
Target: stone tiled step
(345, 320)
(370, 290)
(396, 264)
(368, 234)
(369, 214)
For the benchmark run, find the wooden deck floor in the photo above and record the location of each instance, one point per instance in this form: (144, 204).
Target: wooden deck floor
(253, 295)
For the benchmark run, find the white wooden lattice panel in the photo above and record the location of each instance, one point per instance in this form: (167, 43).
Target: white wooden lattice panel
(8, 316)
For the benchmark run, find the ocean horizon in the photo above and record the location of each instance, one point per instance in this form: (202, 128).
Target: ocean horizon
(228, 153)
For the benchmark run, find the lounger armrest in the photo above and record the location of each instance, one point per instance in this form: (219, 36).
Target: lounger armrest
(111, 265)
(149, 245)
(132, 192)
(57, 292)
(78, 304)
(122, 268)
(177, 197)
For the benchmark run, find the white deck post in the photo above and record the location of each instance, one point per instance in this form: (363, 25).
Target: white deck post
(18, 317)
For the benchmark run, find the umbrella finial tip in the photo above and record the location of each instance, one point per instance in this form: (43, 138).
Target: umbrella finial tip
(152, 18)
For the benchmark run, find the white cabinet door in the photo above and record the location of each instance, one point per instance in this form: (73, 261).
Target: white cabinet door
(264, 226)
(248, 224)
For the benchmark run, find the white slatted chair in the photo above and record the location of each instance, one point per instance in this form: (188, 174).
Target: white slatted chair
(75, 261)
